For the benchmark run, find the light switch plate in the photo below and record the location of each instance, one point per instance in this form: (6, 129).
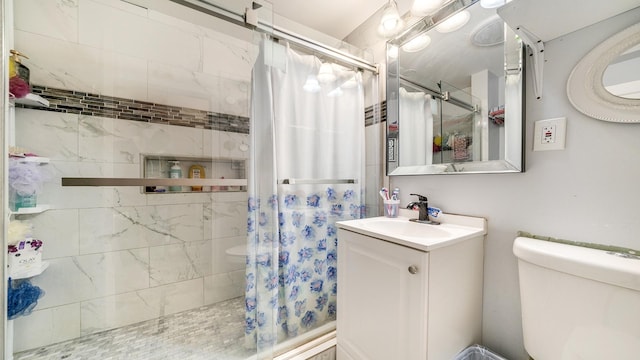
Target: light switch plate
(549, 134)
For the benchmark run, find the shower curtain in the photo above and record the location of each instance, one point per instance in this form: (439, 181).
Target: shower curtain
(416, 128)
(305, 173)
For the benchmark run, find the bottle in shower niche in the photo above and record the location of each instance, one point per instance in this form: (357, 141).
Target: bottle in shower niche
(196, 172)
(175, 173)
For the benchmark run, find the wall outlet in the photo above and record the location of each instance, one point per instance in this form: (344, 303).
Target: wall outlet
(549, 134)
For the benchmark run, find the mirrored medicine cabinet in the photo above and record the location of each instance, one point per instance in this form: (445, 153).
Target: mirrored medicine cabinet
(455, 99)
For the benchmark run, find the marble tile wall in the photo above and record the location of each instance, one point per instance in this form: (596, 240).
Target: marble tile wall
(375, 144)
(114, 48)
(118, 256)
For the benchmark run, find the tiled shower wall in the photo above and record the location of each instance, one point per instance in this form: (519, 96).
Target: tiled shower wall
(118, 256)
(114, 48)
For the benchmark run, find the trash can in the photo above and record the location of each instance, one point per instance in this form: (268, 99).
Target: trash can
(478, 352)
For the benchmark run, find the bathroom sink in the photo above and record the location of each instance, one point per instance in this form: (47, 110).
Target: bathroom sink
(426, 237)
(400, 226)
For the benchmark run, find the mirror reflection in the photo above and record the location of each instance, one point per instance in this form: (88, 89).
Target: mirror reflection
(454, 94)
(622, 77)
(442, 113)
(604, 83)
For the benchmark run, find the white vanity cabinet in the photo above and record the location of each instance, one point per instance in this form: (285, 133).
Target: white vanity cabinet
(402, 302)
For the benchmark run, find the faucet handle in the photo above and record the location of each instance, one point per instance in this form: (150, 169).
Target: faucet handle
(421, 197)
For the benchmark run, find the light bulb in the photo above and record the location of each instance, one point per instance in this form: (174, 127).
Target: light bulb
(490, 4)
(425, 7)
(454, 23)
(390, 16)
(390, 22)
(417, 43)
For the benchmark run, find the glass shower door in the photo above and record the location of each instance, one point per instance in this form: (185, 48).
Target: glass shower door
(153, 269)
(458, 126)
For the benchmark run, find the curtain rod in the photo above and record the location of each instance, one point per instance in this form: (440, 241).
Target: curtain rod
(446, 95)
(278, 33)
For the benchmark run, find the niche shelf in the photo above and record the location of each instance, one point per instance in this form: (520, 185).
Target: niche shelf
(223, 174)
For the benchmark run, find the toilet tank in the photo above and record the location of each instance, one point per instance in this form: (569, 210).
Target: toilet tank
(577, 302)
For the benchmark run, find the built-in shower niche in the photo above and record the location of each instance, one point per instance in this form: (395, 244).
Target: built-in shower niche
(221, 174)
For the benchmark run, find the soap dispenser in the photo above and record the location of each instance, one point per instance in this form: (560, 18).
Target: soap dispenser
(175, 173)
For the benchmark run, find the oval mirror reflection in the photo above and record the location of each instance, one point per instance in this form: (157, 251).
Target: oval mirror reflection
(622, 76)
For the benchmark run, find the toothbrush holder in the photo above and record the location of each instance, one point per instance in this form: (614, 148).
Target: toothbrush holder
(391, 208)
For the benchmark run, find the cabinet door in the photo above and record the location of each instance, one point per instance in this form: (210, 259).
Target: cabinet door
(382, 304)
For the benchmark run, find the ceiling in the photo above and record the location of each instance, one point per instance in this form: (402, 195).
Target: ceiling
(337, 18)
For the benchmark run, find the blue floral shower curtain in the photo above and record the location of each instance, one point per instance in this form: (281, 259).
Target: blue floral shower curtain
(305, 173)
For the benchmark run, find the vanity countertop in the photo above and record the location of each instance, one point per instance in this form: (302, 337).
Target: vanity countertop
(424, 237)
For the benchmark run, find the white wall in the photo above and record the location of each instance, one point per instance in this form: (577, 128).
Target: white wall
(588, 192)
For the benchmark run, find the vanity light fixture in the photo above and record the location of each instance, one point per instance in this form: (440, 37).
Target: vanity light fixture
(490, 4)
(325, 74)
(454, 23)
(390, 23)
(421, 8)
(417, 43)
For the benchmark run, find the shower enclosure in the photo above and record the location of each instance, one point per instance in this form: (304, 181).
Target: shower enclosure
(444, 121)
(141, 269)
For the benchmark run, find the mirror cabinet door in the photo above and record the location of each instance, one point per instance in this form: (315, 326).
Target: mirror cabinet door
(455, 103)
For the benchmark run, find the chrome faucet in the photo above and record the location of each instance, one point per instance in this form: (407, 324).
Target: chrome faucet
(423, 210)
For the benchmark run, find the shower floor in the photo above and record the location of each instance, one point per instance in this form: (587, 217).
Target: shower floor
(209, 332)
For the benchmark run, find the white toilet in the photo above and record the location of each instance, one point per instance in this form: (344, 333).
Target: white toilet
(577, 302)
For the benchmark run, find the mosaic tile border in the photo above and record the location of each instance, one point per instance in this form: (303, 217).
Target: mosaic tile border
(83, 103)
(78, 102)
(370, 113)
